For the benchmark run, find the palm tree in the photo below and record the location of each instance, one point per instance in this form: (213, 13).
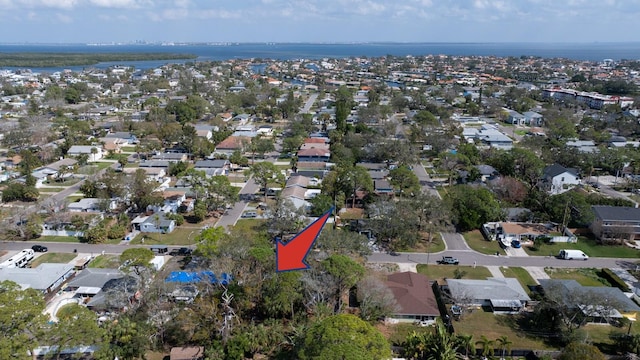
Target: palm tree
(505, 344)
(487, 346)
(466, 342)
(442, 345)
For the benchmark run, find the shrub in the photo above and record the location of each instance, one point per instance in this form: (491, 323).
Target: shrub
(614, 280)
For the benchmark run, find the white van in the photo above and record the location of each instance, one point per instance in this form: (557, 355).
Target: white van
(249, 214)
(572, 255)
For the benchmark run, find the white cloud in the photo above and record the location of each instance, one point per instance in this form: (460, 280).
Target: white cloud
(218, 14)
(62, 4)
(122, 4)
(64, 18)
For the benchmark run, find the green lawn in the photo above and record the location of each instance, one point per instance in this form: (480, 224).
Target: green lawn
(586, 276)
(179, 236)
(519, 273)
(477, 242)
(249, 226)
(423, 245)
(61, 184)
(59, 258)
(107, 261)
(129, 149)
(589, 246)
(480, 322)
(74, 198)
(439, 272)
(67, 239)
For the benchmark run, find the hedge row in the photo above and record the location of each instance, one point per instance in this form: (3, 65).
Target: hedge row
(615, 280)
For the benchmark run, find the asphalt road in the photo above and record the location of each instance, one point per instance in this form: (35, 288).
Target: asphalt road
(231, 216)
(307, 105)
(470, 257)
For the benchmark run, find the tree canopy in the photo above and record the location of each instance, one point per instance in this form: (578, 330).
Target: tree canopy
(344, 336)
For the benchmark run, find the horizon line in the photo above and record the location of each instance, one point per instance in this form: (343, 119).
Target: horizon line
(154, 42)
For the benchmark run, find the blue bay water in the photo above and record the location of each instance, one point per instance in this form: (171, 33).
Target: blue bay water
(288, 51)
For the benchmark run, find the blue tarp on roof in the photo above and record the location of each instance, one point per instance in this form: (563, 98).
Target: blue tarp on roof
(187, 277)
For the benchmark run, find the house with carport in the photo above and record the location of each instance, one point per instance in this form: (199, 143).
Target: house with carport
(47, 277)
(501, 295)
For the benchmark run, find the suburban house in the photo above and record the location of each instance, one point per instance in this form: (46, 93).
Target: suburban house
(111, 145)
(122, 137)
(46, 277)
(314, 153)
(312, 168)
(572, 293)
(205, 131)
(231, 144)
(62, 167)
(153, 173)
(213, 167)
(94, 152)
(156, 223)
(89, 283)
(92, 205)
(414, 295)
(583, 146)
(615, 223)
(557, 179)
(171, 156)
(382, 187)
(533, 118)
(524, 232)
(172, 201)
(515, 118)
(502, 295)
(488, 135)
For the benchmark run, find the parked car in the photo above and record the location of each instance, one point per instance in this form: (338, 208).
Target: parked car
(180, 252)
(515, 244)
(39, 248)
(448, 260)
(249, 214)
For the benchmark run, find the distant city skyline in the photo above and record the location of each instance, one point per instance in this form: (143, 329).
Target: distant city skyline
(102, 21)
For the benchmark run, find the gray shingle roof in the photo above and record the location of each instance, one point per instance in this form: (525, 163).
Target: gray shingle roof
(40, 278)
(572, 286)
(91, 277)
(490, 289)
(616, 213)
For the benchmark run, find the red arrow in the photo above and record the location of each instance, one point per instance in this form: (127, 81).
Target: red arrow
(290, 256)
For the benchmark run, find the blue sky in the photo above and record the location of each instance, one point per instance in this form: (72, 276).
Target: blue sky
(65, 21)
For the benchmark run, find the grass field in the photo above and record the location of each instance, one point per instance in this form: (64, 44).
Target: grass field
(586, 276)
(480, 322)
(58, 258)
(179, 236)
(249, 226)
(436, 245)
(519, 273)
(588, 246)
(439, 272)
(477, 242)
(66, 239)
(107, 261)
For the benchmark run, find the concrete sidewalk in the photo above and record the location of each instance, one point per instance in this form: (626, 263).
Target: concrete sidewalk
(537, 273)
(495, 271)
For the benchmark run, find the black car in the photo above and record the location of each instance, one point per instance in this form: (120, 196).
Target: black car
(39, 248)
(448, 260)
(180, 252)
